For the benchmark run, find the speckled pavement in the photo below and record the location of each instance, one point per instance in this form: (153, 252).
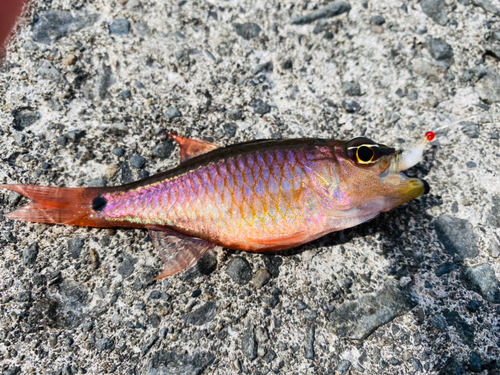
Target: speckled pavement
(89, 88)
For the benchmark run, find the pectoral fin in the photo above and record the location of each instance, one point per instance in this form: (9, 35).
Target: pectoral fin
(179, 252)
(192, 147)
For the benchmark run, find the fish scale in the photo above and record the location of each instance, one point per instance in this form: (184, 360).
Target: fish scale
(254, 194)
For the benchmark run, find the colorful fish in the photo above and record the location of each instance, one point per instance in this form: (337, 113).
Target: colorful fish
(259, 196)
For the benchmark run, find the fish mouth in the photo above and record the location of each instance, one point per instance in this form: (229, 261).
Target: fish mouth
(399, 187)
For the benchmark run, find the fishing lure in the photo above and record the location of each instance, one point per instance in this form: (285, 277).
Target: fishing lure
(259, 196)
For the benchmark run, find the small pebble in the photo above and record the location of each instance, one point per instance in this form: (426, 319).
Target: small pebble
(475, 364)
(172, 113)
(343, 366)
(473, 305)
(235, 114)
(239, 270)
(69, 59)
(248, 30)
(350, 106)
(118, 151)
(137, 161)
(377, 20)
(260, 107)
(261, 278)
(120, 27)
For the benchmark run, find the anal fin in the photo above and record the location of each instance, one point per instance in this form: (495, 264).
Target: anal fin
(192, 147)
(179, 252)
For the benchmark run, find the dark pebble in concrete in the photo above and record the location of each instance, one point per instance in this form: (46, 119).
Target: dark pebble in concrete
(75, 246)
(120, 27)
(309, 341)
(248, 341)
(356, 320)
(457, 236)
(473, 305)
(377, 20)
(260, 107)
(343, 367)
(483, 279)
(137, 161)
(471, 129)
(127, 266)
(62, 140)
(76, 135)
(118, 151)
(163, 362)
(417, 365)
(48, 71)
(163, 150)
(24, 118)
(475, 364)
(287, 64)
(452, 367)
(493, 215)
(438, 322)
(439, 49)
(43, 312)
(350, 105)
(273, 264)
(445, 268)
(207, 264)
(352, 88)
(435, 10)
(202, 315)
(155, 294)
(172, 113)
(239, 270)
(101, 182)
(464, 330)
(12, 370)
(148, 345)
(127, 94)
(30, 254)
(230, 129)
(271, 301)
(105, 344)
(331, 10)
(55, 24)
(235, 114)
(248, 30)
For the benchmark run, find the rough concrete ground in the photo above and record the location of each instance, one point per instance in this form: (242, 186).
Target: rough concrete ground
(88, 90)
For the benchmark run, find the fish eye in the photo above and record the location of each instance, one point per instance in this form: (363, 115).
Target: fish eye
(363, 151)
(364, 154)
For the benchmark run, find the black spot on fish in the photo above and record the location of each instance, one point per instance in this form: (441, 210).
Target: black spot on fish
(99, 203)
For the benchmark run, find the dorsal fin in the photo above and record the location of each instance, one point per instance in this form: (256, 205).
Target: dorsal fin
(192, 147)
(179, 252)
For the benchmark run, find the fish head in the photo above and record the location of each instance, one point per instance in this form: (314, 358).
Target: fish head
(370, 179)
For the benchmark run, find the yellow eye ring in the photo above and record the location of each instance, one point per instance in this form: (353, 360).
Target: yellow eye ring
(365, 154)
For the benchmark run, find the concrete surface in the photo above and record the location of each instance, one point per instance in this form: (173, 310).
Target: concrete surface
(88, 89)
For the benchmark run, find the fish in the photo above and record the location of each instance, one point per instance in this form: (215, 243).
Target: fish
(258, 196)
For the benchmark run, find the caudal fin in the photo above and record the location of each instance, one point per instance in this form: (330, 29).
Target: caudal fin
(56, 205)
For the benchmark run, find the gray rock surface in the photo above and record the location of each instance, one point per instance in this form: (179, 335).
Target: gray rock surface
(435, 9)
(356, 320)
(457, 236)
(284, 72)
(331, 10)
(482, 277)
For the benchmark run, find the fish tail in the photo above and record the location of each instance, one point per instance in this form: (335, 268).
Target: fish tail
(57, 205)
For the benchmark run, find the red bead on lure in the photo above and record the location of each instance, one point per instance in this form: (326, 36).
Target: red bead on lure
(259, 196)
